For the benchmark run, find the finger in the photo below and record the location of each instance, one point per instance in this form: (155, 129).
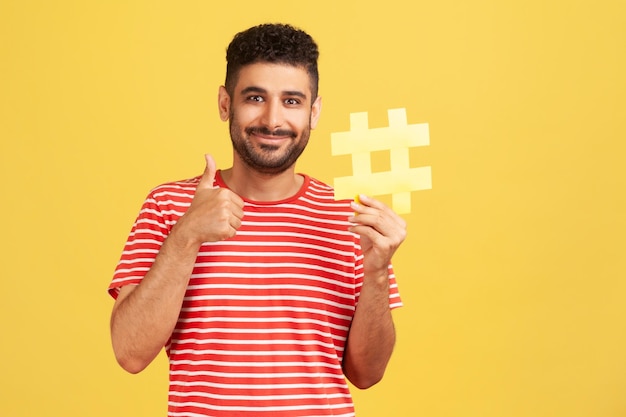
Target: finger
(384, 238)
(375, 224)
(365, 232)
(367, 205)
(368, 201)
(235, 222)
(385, 221)
(237, 206)
(208, 176)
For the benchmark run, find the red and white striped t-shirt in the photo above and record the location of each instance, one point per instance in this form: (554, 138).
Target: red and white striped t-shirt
(264, 322)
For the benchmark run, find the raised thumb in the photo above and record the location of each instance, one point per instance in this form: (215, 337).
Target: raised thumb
(208, 176)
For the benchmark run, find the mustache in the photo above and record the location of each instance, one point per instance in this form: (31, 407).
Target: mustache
(259, 130)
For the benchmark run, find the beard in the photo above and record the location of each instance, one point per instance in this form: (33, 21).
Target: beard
(267, 158)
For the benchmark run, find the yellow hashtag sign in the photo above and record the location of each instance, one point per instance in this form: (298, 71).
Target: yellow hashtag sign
(360, 141)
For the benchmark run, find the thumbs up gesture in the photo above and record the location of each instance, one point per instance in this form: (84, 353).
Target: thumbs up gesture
(215, 213)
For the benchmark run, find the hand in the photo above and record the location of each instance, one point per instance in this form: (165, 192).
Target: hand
(381, 230)
(215, 213)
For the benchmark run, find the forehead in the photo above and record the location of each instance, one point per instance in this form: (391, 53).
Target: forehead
(274, 77)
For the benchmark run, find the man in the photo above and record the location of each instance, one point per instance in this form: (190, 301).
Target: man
(264, 290)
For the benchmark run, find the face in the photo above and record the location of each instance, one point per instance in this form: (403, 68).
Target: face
(270, 115)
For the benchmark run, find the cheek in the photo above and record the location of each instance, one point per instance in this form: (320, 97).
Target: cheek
(303, 121)
(243, 117)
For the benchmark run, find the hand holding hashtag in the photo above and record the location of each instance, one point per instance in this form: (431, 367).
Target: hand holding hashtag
(381, 231)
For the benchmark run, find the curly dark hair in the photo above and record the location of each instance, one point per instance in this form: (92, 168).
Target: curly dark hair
(274, 43)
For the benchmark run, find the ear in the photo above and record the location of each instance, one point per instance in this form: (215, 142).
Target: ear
(223, 103)
(316, 109)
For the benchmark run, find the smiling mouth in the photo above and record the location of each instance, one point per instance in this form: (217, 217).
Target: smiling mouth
(265, 133)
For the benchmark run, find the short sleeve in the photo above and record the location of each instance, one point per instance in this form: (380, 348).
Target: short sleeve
(144, 242)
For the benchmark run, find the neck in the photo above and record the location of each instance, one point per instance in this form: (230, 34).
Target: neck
(256, 186)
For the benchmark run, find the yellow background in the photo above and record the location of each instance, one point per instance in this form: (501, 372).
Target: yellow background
(513, 274)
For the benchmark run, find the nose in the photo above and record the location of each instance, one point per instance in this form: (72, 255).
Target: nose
(273, 117)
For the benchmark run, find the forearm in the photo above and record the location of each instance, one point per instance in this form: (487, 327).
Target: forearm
(142, 322)
(372, 334)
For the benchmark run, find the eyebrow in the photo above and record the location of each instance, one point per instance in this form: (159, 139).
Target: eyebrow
(259, 90)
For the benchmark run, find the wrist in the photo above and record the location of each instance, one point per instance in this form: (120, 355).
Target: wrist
(378, 276)
(182, 239)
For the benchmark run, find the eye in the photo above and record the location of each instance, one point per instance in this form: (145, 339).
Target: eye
(292, 101)
(255, 98)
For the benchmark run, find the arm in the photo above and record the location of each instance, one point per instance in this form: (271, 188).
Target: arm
(372, 334)
(144, 315)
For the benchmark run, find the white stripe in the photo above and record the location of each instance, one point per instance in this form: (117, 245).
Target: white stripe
(266, 298)
(149, 221)
(249, 409)
(118, 281)
(268, 309)
(262, 320)
(140, 251)
(312, 386)
(258, 397)
(158, 236)
(169, 193)
(298, 235)
(250, 274)
(311, 219)
(212, 330)
(136, 260)
(294, 265)
(298, 226)
(177, 203)
(348, 252)
(132, 270)
(323, 208)
(252, 353)
(161, 213)
(264, 342)
(298, 255)
(190, 414)
(271, 364)
(269, 287)
(143, 241)
(269, 375)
